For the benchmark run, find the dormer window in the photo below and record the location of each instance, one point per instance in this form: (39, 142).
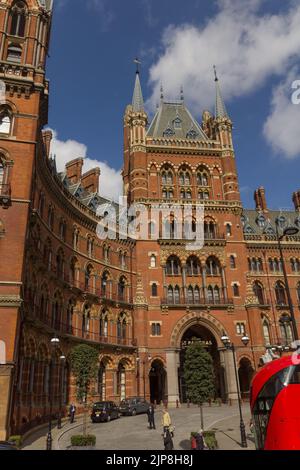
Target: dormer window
(192, 134)
(18, 19)
(280, 221)
(169, 132)
(177, 123)
(261, 221)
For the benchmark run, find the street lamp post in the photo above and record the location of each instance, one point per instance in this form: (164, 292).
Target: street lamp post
(230, 346)
(288, 231)
(54, 344)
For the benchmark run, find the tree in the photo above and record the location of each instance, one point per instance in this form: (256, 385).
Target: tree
(199, 374)
(84, 365)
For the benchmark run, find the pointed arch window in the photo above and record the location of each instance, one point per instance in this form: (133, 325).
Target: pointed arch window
(232, 262)
(258, 291)
(5, 121)
(154, 290)
(104, 324)
(280, 294)
(1, 173)
(18, 19)
(177, 123)
(266, 333)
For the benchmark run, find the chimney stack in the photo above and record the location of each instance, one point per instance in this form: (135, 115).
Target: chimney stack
(90, 180)
(74, 170)
(47, 138)
(260, 200)
(296, 200)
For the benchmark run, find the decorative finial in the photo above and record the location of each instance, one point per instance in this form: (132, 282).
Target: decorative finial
(181, 93)
(161, 92)
(216, 76)
(138, 63)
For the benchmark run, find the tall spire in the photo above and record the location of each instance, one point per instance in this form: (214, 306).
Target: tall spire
(137, 100)
(220, 111)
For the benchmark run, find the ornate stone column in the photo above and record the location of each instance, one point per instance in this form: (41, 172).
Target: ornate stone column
(172, 375)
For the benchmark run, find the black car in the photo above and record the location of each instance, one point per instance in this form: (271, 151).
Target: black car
(4, 445)
(133, 406)
(104, 411)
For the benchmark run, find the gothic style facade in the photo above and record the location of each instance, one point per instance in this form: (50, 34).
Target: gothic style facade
(139, 302)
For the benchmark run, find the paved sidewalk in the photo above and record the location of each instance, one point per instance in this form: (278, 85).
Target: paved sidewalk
(132, 433)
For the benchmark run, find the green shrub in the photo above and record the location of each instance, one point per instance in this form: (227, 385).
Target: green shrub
(209, 437)
(83, 441)
(17, 440)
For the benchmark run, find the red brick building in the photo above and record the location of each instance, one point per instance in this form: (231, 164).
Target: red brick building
(139, 302)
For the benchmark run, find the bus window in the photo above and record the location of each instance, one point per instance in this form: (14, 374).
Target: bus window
(265, 400)
(295, 377)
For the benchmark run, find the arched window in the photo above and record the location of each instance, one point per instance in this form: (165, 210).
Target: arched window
(70, 314)
(190, 295)
(75, 239)
(121, 382)
(210, 294)
(1, 173)
(173, 295)
(210, 230)
(197, 295)
(18, 19)
(122, 288)
(102, 382)
(173, 267)
(232, 262)
(88, 278)
(212, 267)
(203, 195)
(228, 230)
(121, 327)
(153, 261)
(202, 178)
(286, 330)
(259, 292)
(280, 293)
(104, 284)
(216, 295)
(154, 290)
(86, 319)
(236, 290)
(266, 333)
(193, 266)
(104, 323)
(5, 121)
(167, 177)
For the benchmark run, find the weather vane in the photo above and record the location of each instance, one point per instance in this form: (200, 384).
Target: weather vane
(215, 70)
(138, 63)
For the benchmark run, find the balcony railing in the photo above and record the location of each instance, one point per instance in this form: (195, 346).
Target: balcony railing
(67, 329)
(5, 195)
(200, 302)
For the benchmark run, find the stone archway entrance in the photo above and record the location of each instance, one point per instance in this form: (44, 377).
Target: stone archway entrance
(199, 332)
(157, 379)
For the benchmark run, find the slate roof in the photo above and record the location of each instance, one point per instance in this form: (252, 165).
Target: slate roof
(173, 120)
(259, 223)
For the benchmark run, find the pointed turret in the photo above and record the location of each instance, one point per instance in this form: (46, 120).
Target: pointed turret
(220, 111)
(137, 100)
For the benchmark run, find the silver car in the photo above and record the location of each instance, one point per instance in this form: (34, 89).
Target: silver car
(133, 406)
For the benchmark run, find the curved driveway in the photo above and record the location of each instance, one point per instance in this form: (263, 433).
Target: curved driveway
(132, 433)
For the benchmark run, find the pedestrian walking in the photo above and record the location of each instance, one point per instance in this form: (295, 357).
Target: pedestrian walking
(72, 412)
(168, 441)
(151, 419)
(166, 420)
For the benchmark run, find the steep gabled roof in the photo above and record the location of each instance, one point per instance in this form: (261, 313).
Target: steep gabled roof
(173, 119)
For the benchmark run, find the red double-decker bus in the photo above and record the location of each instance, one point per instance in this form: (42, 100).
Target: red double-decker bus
(275, 405)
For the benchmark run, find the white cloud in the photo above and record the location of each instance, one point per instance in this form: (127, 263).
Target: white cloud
(111, 184)
(247, 47)
(282, 126)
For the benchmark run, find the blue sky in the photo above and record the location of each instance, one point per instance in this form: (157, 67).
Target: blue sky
(254, 43)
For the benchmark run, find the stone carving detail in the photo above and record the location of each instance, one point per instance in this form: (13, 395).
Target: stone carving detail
(140, 298)
(251, 299)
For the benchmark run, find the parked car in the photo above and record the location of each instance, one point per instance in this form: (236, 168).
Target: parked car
(104, 411)
(4, 445)
(133, 406)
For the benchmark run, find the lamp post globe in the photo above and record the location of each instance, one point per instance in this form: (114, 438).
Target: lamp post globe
(245, 340)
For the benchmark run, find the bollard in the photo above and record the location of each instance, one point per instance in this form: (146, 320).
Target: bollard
(177, 403)
(230, 402)
(188, 403)
(209, 402)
